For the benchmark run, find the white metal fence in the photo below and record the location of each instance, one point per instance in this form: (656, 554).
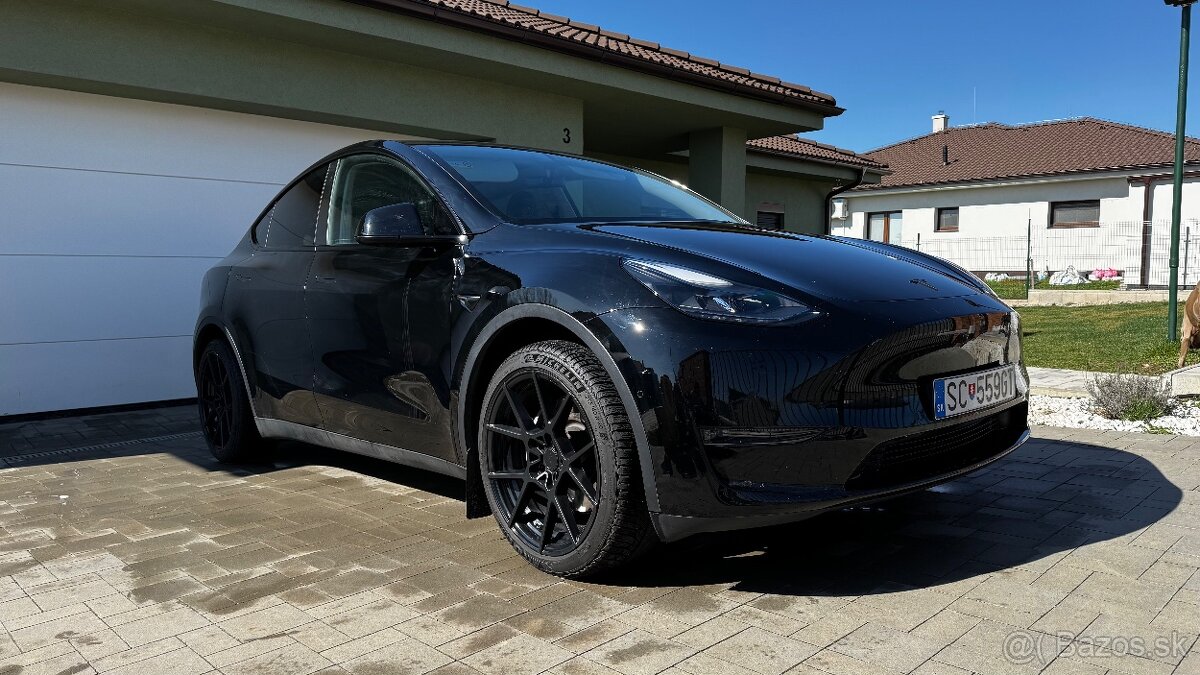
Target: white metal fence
(1124, 246)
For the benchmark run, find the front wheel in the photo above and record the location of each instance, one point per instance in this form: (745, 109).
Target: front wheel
(559, 462)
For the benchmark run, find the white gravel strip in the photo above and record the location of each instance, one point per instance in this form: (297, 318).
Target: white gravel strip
(1076, 413)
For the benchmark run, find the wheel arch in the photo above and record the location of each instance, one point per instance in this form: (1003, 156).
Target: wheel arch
(210, 329)
(511, 329)
(207, 332)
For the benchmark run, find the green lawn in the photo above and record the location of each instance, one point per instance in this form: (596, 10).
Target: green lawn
(1014, 289)
(1112, 338)
(1009, 289)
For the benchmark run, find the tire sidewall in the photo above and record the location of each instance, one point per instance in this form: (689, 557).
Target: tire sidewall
(552, 366)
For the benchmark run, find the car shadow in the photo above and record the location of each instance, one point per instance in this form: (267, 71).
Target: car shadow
(1029, 509)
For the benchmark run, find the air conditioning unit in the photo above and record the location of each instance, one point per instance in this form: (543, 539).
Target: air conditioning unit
(841, 209)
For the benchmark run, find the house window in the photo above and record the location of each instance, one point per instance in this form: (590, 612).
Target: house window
(885, 227)
(947, 220)
(770, 220)
(1075, 214)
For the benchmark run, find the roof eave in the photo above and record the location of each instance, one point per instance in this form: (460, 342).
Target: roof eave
(572, 47)
(1021, 177)
(880, 169)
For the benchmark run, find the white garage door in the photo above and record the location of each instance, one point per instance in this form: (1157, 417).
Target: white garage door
(111, 210)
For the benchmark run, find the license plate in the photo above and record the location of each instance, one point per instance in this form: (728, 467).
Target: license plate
(963, 393)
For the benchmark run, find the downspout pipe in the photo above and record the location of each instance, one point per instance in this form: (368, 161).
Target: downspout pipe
(1148, 183)
(1147, 228)
(862, 175)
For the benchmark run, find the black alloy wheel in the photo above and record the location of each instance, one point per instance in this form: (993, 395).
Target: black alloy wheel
(215, 393)
(543, 464)
(225, 416)
(558, 459)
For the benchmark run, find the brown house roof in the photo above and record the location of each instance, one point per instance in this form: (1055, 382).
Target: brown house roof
(996, 151)
(563, 34)
(794, 146)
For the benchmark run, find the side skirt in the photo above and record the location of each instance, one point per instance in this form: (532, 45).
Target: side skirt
(273, 428)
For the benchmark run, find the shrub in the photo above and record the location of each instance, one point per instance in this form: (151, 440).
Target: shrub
(1120, 396)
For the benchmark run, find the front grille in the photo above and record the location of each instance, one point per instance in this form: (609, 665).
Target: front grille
(932, 453)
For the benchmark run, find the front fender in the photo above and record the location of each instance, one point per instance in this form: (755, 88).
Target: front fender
(606, 348)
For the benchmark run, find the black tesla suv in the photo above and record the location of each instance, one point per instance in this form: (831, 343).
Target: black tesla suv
(607, 358)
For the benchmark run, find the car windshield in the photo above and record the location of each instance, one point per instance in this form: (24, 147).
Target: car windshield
(529, 187)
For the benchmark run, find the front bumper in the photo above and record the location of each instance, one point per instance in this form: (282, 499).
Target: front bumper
(750, 426)
(675, 527)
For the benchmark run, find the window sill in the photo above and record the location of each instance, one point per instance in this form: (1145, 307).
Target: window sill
(1072, 226)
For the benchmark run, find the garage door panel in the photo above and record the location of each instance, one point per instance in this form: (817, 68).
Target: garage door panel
(111, 211)
(53, 127)
(58, 211)
(62, 376)
(63, 298)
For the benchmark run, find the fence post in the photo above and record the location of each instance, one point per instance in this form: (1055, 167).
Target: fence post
(1187, 244)
(1028, 255)
(1147, 237)
(918, 241)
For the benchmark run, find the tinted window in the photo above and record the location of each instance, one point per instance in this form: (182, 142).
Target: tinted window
(527, 187)
(769, 220)
(261, 226)
(293, 219)
(364, 182)
(947, 220)
(1075, 214)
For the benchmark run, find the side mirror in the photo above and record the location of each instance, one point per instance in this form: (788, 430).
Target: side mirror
(399, 225)
(390, 222)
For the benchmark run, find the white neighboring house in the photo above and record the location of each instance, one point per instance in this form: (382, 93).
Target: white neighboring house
(1084, 192)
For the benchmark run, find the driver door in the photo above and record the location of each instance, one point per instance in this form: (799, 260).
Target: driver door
(379, 316)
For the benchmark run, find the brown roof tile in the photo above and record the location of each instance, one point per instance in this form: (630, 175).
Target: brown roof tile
(996, 151)
(564, 33)
(807, 149)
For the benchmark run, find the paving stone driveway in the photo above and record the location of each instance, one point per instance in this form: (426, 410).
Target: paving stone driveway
(1079, 554)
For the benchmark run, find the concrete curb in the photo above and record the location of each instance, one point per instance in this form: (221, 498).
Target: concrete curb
(1046, 298)
(1184, 381)
(1057, 393)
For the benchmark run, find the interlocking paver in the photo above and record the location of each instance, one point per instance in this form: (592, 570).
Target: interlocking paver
(159, 560)
(762, 652)
(370, 618)
(294, 659)
(406, 656)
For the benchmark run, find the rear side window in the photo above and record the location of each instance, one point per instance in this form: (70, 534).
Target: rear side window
(292, 221)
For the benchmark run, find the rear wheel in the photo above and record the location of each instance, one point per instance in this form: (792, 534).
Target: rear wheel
(225, 416)
(560, 466)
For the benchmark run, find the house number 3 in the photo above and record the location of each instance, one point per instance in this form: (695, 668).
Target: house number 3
(566, 135)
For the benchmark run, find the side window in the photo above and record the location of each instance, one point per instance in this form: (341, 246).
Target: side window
(364, 182)
(293, 219)
(261, 227)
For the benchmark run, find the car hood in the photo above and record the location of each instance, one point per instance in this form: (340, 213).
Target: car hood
(824, 267)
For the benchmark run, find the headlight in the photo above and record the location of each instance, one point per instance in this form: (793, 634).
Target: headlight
(707, 297)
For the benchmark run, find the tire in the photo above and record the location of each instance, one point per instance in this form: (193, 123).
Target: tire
(556, 448)
(225, 415)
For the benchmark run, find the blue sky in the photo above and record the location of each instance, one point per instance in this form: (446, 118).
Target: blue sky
(892, 64)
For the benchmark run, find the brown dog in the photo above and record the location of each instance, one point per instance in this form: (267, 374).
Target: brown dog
(1191, 325)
